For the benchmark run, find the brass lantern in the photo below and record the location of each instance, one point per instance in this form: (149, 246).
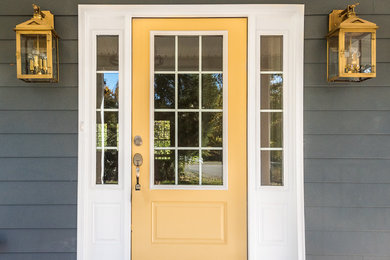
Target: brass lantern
(37, 48)
(351, 47)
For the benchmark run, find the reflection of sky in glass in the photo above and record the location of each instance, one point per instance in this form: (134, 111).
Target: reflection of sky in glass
(276, 79)
(218, 80)
(111, 80)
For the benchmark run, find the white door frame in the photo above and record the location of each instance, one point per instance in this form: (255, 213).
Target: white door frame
(286, 20)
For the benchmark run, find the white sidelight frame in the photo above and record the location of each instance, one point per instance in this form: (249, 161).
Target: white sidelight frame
(271, 211)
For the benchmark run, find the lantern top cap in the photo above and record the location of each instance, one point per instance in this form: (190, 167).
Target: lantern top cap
(41, 21)
(347, 19)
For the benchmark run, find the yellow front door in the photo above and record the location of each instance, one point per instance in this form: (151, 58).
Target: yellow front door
(189, 108)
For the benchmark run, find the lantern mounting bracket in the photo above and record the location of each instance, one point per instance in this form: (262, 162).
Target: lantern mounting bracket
(37, 12)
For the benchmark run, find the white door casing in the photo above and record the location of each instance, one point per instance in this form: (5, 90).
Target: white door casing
(275, 214)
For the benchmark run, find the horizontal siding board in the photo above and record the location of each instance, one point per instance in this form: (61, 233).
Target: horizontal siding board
(315, 50)
(381, 7)
(36, 217)
(347, 219)
(38, 256)
(38, 122)
(38, 240)
(333, 257)
(346, 122)
(347, 170)
(65, 26)
(26, 193)
(347, 146)
(68, 77)
(348, 243)
(315, 75)
(34, 97)
(347, 195)
(67, 51)
(347, 98)
(38, 145)
(38, 169)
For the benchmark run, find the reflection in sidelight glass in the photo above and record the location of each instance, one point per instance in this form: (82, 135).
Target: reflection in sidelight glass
(188, 110)
(107, 110)
(271, 110)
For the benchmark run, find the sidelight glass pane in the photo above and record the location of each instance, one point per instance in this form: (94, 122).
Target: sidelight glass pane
(212, 51)
(212, 128)
(164, 129)
(212, 91)
(188, 56)
(107, 133)
(271, 129)
(188, 90)
(107, 91)
(272, 168)
(164, 53)
(188, 167)
(164, 91)
(164, 167)
(188, 129)
(271, 53)
(271, 91)
(107, 52)
(107, 166)
(212, 167)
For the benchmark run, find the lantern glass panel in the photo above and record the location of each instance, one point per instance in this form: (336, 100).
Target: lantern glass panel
(333, 53)
(55, 56)
(34, 54)
(357, 53)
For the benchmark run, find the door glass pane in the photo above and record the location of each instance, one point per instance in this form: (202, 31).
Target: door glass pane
(189, 167)
(212, 167)
(107, 110)
(164, 53)
(212, 53)
(164, 167)
(271, 53)
(188, 114)
(188, 124)
(212, 92)
(188, 87)
(164, 91)
(188, 53)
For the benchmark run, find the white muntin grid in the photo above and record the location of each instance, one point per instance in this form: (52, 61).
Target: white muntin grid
(199, 110)
(270, 111)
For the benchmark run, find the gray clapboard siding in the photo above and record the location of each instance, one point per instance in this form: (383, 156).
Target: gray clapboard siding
(37, 193)
(40, 256)
(66, 26)
(348, 219)
(39, 216)
(337, 257)
(341, 170)
(354, 97)
(68, 53)
(346, 122)
(347, 195)
(37, 240)
(38, 145)
(347, 146)
(38, 97)
(50, 122)
(38, 169)
(348, 243)
(68, 77)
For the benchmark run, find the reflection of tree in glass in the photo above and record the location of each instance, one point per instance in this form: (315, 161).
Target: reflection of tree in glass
(111, 95)
(276, 168)
(189, 167)
(212, 97)
(164, 167)
(188, 90)
(212, 124)
(110, 167)
(164, 91)
(276, 93)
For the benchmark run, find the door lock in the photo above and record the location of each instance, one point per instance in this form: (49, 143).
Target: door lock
(137, 161)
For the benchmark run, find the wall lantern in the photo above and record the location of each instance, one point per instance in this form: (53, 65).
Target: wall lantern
(351, 47)
(37, 48)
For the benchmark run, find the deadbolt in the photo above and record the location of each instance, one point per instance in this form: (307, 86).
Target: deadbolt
(138, 140)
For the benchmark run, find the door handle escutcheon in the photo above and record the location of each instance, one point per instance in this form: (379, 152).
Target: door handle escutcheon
(137, 161)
